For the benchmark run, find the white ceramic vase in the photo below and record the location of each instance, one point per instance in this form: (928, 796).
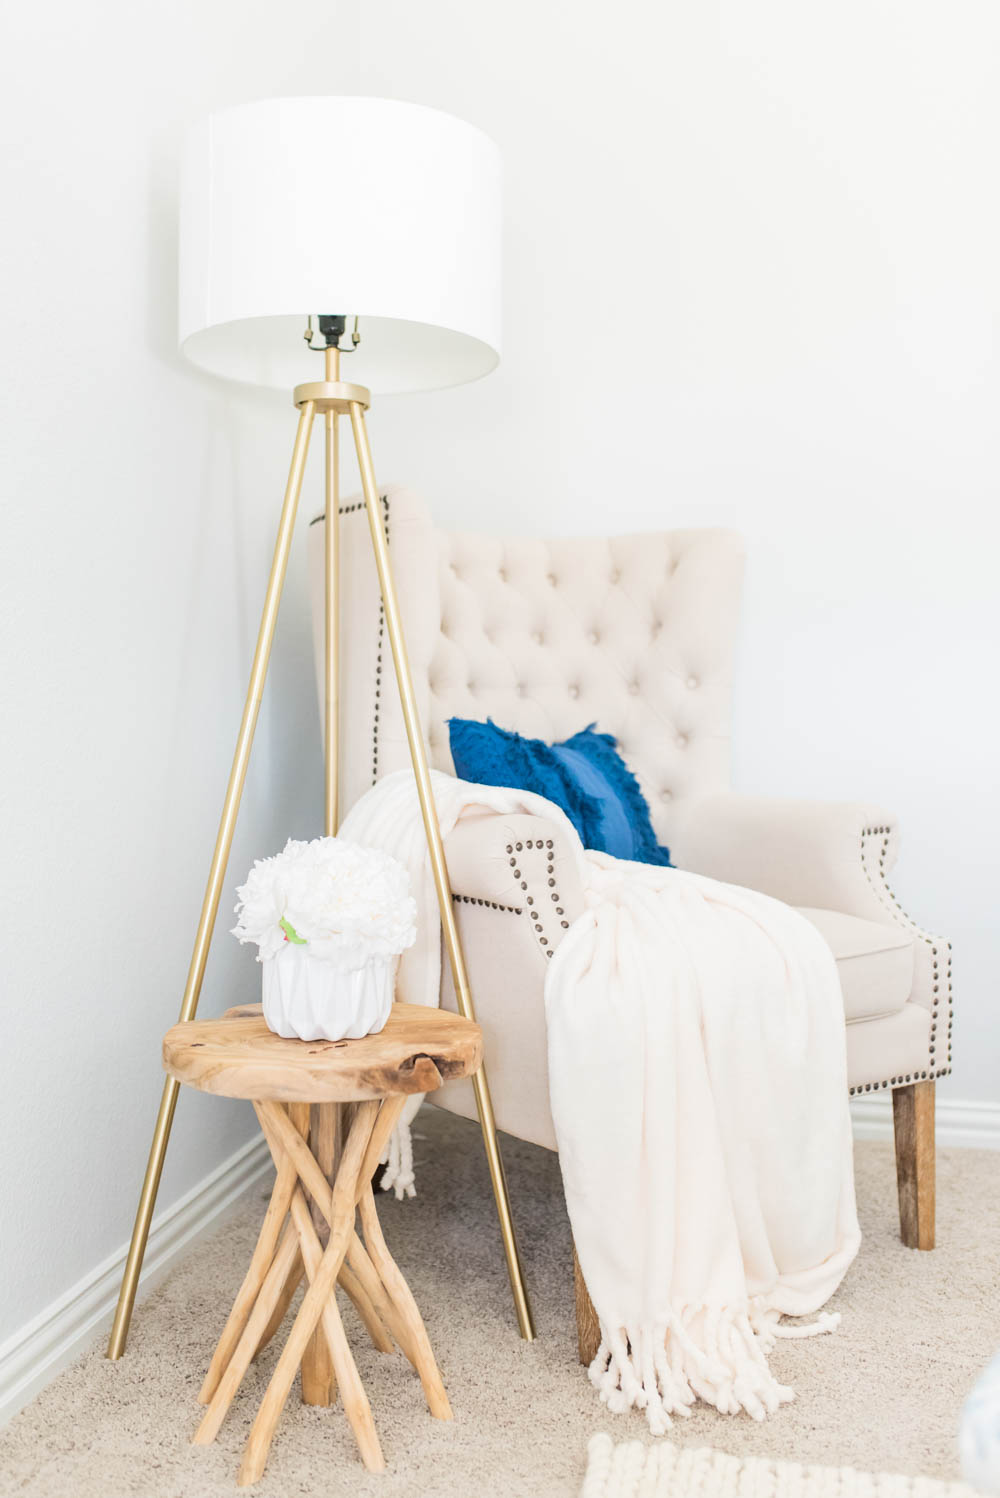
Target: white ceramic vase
(314, 998)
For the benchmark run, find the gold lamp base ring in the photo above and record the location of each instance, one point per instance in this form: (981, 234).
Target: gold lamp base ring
(333, 395)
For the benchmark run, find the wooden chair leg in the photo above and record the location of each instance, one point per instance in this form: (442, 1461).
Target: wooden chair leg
(913, 1123)
(588, 1328)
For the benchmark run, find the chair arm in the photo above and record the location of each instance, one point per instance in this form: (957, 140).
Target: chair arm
(518, 887)
(827, 855)
(518, 861)
(832, 855)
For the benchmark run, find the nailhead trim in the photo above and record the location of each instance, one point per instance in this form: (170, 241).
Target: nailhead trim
(344, 510)
(546, 847)
(489, 904)
(349, 509)
(886, 897)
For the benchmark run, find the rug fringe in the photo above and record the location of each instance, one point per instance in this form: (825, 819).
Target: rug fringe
(631, 1470)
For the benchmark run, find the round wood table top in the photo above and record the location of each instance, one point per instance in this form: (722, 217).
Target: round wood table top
(238, 1056)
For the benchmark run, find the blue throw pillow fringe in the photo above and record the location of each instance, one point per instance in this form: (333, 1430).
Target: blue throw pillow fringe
(486, 754)
(602, 749)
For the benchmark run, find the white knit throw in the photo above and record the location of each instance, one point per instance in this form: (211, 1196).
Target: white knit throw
(631, 1470)
(698, 1088)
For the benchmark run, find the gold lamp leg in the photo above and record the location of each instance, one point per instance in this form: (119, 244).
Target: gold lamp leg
(317, 1379)
(439, 867)
(217, 872)
(332, 613)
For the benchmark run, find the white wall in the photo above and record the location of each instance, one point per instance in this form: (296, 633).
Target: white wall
(751, 280)
(139, 506)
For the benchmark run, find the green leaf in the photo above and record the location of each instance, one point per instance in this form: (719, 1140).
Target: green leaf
(291, 933)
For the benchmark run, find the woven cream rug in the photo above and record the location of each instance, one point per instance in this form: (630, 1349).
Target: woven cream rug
(632, 1470)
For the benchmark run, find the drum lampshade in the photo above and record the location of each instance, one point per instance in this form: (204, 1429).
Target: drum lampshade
(371, 208)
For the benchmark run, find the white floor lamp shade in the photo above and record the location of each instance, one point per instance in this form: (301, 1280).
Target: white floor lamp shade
(371, 208)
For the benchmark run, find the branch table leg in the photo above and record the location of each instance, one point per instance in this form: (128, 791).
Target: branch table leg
(260, 1263)
(316, 1300)
(290, 1245)
(406, 1307)
(319, 1125)
(283, 1138)
(247, 1345)
(356, 1406)
(292, 1283)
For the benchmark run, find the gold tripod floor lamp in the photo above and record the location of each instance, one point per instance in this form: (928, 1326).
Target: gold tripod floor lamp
(391, 211)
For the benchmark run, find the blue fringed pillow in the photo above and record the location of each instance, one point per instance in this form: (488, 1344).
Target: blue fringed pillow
(585, 775)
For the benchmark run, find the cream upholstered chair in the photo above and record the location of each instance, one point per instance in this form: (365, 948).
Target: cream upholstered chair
(635, 633)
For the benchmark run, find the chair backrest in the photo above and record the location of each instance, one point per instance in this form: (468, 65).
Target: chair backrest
(635, 633)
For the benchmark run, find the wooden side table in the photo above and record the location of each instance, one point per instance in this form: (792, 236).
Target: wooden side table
(308, 1095)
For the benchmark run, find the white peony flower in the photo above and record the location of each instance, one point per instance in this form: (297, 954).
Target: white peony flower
(345, 902)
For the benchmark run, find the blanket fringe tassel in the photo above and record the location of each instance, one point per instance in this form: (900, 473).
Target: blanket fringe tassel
(397, 1157)
(703, 1352)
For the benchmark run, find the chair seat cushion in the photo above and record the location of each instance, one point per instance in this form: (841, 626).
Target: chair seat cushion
(875, 962)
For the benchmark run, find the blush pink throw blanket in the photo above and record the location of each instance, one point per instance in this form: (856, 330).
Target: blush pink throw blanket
(698, 1089)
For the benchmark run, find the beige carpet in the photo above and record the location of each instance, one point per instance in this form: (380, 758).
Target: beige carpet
(882, 1394)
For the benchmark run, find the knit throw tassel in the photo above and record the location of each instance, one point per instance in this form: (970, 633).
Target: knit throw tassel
(397, 1157)
(703, 1352)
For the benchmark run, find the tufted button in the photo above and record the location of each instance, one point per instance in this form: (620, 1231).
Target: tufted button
(616, 576)
(538, 637)
(520, 689)
(657, 626)
(633, 688)
(471, 688)
(574, 691)
(666, 795)
(594, 637)
(503, 574)
(682, 740)
(553, 580)
(692, 683)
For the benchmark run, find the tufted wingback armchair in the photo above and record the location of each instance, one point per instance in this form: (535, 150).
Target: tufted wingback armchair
(637, 634)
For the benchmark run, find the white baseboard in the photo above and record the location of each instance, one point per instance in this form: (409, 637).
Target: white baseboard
(959, 1125)
(42, 1348)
